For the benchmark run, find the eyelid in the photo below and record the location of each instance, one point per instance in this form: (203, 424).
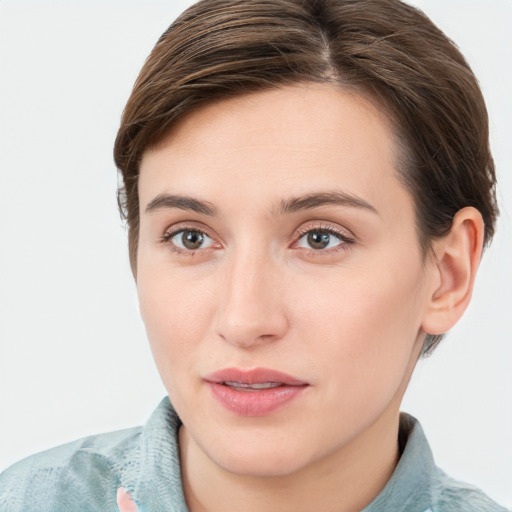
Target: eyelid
(326, 227)
(344, 235)
(171, 231)
(206, 240)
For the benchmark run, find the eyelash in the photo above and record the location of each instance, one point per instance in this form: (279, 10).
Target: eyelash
(345, 241)
(169, 235)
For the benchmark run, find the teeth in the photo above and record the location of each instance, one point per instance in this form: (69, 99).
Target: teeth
(244, 386)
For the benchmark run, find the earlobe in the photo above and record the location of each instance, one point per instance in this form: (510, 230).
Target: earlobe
(456, 260)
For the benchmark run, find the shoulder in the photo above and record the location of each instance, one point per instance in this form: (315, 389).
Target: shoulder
(455, 496)
(419, 485)
(81, 475)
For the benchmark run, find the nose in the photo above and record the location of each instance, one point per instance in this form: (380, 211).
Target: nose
(250, 308)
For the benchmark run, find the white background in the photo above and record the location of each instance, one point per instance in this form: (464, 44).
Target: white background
(74, 360)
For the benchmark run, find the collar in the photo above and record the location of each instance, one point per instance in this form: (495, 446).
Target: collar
(410, 487)
(156, 483)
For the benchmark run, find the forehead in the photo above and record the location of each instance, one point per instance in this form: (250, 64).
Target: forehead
(282, 142)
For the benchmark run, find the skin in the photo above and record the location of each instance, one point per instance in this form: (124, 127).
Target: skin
(348, 319)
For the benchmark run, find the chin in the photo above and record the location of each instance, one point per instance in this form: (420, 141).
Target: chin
(264, 459)
(259, 466)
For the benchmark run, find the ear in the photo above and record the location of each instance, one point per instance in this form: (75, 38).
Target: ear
(455, 263)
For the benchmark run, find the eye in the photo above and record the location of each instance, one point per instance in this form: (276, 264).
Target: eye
(189, 239)
(321, 239)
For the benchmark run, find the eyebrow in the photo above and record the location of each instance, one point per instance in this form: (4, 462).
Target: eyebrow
(287, 206)
(315, 200)
(181, 202)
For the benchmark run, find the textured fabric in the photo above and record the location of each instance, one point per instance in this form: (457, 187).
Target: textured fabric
(85, 475)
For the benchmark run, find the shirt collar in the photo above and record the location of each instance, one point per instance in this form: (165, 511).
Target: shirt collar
(409, 488)
(157, 484)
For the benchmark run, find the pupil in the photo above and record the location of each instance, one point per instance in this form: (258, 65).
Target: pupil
(318, 240)
(192, 239)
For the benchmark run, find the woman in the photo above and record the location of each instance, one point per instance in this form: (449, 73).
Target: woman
(308, 190)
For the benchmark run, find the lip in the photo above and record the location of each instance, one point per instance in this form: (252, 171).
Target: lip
(245, 401)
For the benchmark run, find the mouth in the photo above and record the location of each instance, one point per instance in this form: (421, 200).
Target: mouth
(258, 386)
(257, 392)
(255, 377)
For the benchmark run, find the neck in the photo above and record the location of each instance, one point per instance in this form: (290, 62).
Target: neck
(344, 481)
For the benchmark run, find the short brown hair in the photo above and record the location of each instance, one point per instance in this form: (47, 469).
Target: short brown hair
(384, 49)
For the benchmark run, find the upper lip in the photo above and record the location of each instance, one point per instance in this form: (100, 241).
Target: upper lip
(254, 376)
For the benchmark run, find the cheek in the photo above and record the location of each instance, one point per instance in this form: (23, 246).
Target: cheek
(363, 326)
(176, 314)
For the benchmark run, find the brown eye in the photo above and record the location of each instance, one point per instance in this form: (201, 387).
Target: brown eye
(318, 240)
(321, 239)
(190, 239)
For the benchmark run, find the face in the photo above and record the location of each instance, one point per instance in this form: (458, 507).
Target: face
(280, 277)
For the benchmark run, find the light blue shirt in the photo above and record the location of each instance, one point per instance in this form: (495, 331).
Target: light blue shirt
(84, 475)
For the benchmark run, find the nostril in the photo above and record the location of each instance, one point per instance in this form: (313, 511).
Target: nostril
(247, 335)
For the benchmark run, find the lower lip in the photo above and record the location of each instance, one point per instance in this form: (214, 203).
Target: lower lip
(254, 403)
